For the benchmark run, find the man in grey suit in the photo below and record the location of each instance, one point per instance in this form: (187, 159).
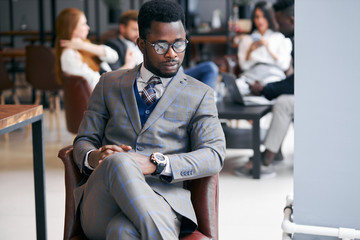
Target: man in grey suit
(145, 132)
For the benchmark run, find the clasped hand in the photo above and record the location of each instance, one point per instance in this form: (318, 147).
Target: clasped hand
(261, 42)
(256, 88)
(75, 43)
(96, 157)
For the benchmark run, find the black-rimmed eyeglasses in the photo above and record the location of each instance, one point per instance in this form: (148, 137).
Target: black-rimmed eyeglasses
(163, 47)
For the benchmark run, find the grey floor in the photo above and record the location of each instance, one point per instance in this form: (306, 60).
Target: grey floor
(249, 209)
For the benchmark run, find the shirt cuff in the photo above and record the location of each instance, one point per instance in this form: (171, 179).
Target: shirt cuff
(86, 161)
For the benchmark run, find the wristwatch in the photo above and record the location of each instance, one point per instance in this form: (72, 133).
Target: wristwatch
(160, 162)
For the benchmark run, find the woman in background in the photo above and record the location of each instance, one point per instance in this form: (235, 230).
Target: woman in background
(265, 54)
(75, 54)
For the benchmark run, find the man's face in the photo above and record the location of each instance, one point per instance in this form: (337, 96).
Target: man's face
(286, 24)
(167, 64)
(130, 31)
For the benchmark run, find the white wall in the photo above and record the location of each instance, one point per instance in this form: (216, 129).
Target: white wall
(327, 110)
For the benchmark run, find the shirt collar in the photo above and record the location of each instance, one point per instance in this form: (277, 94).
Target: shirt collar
(145, 74)
(127, 42)
(267, 32)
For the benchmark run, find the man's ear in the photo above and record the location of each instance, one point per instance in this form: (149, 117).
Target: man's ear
(141, 44)
(292, 20)
(121, 28)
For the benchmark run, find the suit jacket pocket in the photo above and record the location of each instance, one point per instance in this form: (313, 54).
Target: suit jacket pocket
(177, 116)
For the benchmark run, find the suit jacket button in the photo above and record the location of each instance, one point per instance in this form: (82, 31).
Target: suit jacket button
(139, 148)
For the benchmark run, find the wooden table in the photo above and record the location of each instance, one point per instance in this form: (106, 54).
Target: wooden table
(244, 138)
(220, 39)
(16, 116)
(13, 52)
(19, 33)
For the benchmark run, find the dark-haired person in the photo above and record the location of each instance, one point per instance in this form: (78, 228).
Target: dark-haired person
(125, 44)
(146, 130)
(265, 54)
(130, 55)
(283, 91)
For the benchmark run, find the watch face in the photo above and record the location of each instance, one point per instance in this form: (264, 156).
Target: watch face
(160, 161)
(160, 157)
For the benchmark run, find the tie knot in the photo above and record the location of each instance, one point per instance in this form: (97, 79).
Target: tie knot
(149, 93)
(154, 80)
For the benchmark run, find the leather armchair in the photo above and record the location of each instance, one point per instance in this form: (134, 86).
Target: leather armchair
(204, 196)
(76, 95)
(40, 73)
(6, 84)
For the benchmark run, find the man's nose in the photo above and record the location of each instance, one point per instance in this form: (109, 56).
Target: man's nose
(171, 53)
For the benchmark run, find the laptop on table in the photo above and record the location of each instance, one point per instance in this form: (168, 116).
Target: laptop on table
(236, 96)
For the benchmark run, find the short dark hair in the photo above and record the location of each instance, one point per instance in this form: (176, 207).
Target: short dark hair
(285, 6)
(160, 11)
(130, 15)
(268, 11)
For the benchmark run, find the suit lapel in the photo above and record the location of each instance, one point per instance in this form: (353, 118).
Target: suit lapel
(173, 89)
(128, 96)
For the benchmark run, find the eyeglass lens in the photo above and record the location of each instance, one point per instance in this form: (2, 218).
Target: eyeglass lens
(163, 47)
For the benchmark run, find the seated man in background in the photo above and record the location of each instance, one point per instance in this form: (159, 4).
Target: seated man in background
(145, 132)
(130, 55)
(283, 91)
(125, 44)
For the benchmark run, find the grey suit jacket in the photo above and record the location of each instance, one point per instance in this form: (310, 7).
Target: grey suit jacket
(184, 126)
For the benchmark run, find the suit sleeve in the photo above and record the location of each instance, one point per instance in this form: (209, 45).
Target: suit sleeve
(92, 126)
(207, 153)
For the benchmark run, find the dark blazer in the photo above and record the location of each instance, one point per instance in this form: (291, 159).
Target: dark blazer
(120, 47)
(184, 125)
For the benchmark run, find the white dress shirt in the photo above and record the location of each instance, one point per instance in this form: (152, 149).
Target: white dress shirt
(134, 49)
(279, 45)
(261, 66)
(72, 63)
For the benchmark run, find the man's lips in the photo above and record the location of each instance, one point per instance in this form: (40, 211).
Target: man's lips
(169, 64)
(172, 64)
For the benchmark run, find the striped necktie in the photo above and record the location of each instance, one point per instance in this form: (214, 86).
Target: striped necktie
(149, 94)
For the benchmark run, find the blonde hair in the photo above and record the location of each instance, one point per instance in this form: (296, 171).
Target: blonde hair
(66, 23)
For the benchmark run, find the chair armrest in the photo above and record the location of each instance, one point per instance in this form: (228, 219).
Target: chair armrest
(72, 228)
(205, 199)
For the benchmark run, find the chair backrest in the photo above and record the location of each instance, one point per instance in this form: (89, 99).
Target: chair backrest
(40, 68)
(76, 95)
(204, 196)
(5, 81)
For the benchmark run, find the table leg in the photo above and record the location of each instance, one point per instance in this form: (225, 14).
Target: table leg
(256, 148)
(39, 178)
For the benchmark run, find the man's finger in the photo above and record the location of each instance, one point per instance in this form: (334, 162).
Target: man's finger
(116, 148)
(125, 147)
(110, 147)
